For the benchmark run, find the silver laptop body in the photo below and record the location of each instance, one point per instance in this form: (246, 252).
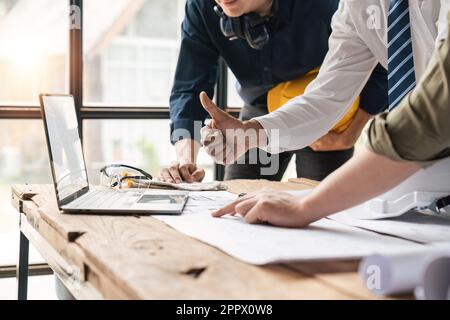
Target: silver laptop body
(68, 167)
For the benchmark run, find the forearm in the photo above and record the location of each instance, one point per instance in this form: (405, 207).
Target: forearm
(365, 176)
(353, 132)
(187, 151)
(344, 73)
(358, 123)
(345, 140)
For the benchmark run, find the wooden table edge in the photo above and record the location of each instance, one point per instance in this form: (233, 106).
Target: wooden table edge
(85, 290)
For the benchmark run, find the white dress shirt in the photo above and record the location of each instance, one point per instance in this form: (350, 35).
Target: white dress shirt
(357, 44)
(443, 24)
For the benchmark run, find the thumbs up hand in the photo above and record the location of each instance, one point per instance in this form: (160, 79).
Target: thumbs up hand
(226, 138)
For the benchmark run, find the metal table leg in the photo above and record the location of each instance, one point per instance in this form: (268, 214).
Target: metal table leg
(22, 268)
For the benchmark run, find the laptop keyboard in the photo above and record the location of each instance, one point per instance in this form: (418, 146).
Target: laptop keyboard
(106, 199)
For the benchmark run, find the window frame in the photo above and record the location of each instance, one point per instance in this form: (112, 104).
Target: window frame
(84, 112)
(105, 112)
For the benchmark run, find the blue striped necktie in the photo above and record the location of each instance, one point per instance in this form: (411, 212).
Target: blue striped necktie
(401, 75)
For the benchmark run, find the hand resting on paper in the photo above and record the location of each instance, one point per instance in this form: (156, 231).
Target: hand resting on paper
(269, 206)
(331, 196)
(181, 172)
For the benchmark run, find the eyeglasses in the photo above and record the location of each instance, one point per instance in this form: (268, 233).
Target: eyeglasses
(116, 175)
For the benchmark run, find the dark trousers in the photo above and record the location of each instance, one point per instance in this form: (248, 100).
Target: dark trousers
(309, 164)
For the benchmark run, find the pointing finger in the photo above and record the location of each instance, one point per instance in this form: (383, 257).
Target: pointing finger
(230, 208)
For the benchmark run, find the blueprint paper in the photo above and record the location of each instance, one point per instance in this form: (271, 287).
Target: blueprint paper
(404, 265)
(412, 226)
(263, 244)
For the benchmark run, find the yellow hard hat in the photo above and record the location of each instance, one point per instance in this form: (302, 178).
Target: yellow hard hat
(285, 91)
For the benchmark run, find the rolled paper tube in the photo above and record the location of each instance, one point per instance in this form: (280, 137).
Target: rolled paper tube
(435, 284)
(399, 273)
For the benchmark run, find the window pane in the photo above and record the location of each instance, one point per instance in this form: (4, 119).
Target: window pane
(130, 51)
(23, 159)
(142, 143)
(33, 51)
(234, 100)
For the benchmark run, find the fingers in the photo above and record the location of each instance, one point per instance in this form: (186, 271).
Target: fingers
(198, 175)
(174, 172)
(221, 152)
(213, 144)
(210, 124)
(190, 173)
(215, 112)
(209, 135)
(254, 215)
(230, 208)
(332, 142)
(318, 145)
(185, 173)
(216, 154)
(245, 206)
(166, 176)
(171, 174)
(314, 146)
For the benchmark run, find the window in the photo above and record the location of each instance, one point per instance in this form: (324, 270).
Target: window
(130, 50)
(234, 100)
(130, 53)
(23, 159)
(33, 52)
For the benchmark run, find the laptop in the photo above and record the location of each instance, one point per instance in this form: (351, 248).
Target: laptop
(70, 178)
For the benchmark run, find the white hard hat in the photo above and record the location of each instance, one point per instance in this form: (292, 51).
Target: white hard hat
(427, 191)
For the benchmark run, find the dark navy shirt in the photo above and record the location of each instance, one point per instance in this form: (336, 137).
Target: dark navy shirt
(299, 33)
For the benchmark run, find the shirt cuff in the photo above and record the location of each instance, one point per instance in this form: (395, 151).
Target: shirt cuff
(185, 129)
(276, 139)
(380, 142)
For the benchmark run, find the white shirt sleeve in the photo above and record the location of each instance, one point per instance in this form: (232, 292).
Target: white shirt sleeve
(344, 73)
(442, 23)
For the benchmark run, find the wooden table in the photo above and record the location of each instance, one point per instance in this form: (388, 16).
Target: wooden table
(139, 257)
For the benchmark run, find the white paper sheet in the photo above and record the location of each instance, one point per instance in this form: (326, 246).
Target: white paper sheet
(403, 265)
(412, 226)
(263, 244)
(206, 202)
(194, 186)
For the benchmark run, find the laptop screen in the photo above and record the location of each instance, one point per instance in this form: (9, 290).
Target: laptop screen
(66, 152)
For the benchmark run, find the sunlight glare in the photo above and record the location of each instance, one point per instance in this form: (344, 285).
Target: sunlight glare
(24, 56)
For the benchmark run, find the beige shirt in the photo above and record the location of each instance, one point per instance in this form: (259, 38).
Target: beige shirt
(419, 128)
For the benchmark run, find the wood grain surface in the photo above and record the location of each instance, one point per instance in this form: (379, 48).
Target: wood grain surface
(139, 257)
